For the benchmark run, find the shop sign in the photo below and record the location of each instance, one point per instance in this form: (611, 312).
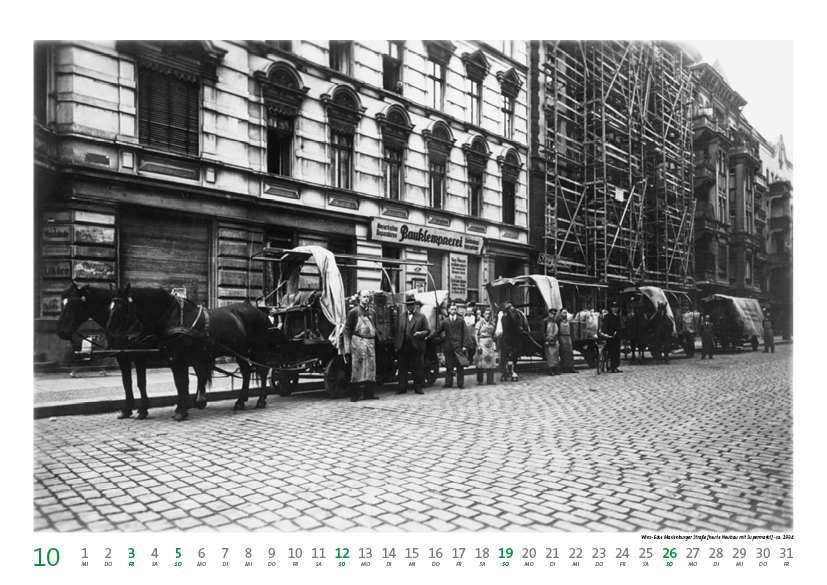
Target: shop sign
(546, 260)
(458, 275)
(87, 234)
(57, 269)
(94, 270)
(384, 230)
(57, 233)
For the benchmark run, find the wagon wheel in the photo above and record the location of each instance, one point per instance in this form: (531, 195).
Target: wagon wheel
(431, 370)
(336, 377)
(591, 355)
(283, 383)
(754, 342)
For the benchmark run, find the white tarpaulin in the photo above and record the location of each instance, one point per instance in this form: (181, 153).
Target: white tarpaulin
(547, 286)
(333, 291)
(657, 296)
(748, 311)
(432, 301)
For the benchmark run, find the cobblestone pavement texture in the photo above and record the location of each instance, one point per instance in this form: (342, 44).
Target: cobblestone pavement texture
(690, 446)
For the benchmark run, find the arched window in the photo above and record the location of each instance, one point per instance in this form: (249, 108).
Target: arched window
(438, 142)
(510, 166)
(283, 93)
(395, 126)
(476, 159)
(344, 110)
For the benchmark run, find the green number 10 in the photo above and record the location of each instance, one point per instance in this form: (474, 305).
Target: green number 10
(39, 562)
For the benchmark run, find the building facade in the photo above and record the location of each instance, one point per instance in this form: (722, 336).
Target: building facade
(610, 172)
(172, 163)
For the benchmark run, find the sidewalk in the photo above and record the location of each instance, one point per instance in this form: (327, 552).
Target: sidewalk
(90, 391)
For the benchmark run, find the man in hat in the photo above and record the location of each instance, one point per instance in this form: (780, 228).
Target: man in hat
(455, 331)
(360, 328)
(552, 349)
(411, 331)
(611, 329)
(707, 331)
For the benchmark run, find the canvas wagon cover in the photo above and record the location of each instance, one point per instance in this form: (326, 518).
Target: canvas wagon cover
(749, 312)
(657, 296)
(332, 289)
(547, 286)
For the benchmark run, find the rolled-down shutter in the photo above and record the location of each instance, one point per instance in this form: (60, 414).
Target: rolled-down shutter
(167, 251)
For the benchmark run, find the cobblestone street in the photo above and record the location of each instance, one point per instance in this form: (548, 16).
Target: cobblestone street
(694, 445)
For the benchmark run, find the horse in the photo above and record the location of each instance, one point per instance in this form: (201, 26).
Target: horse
(193, 336)
(514, 341)
(653, 332)
(83, 303)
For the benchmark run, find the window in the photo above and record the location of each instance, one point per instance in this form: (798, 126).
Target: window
(279, 145)
(723, 254)
(437, 184)
(393, 173)
(475, 196)
(435, 259)
(475, 102)
(436, 85)
(41, 82)
(509, 202)
(392, 270)
(341, 56)
(392, 67)
(473, 279)
(748, 269)
(508, 116)
(342, 156)
(168, 111)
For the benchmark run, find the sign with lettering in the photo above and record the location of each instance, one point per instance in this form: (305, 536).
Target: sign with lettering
(546, 260)
(458, 275)
(385, 230)
(89, 234)
(57, 233)
(57, 269)
(94, 269)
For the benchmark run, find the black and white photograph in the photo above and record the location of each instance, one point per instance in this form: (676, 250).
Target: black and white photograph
(416, 298)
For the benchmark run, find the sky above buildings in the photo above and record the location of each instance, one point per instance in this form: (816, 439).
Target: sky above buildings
(762, 73)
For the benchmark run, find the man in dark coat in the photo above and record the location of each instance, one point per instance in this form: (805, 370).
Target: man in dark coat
(411, 331)
(707, 331)
(611, 328)
(453, 328)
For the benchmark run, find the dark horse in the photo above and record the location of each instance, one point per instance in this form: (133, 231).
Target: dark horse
(653, 332)
(515, 341)
(192, 336)
(83, 303)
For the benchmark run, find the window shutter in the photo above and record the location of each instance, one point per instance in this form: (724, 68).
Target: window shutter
(168, 112)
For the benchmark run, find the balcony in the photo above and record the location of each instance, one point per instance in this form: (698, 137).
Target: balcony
(704, 174)
(780, 259)
(781, 189)
(746, 153)
(705, 126)
(761, 216)
(781, 223)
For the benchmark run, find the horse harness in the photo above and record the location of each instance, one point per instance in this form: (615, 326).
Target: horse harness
(190, 331)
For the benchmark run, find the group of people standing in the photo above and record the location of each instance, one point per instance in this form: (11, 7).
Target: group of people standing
(558, 348)
(465, 339)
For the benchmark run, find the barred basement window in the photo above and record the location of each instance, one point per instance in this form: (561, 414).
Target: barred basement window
(168, 111)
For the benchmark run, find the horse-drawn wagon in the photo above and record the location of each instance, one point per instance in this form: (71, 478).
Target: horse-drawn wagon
(307, 331)
(648, 322)
(737, 320)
